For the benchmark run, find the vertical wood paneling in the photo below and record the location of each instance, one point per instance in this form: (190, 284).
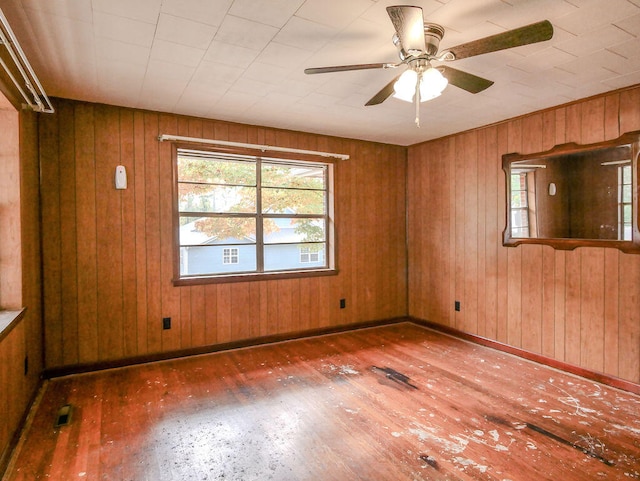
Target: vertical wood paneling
(140, 247)
(211, 314)
(481, 223)
(151, 238)
(629, 324)
(124, 252)
(68, 243)
(343, 208)
(492, 231)
(502, 319)
(581, 306)
(51, 258)
(128, 233)
(414, 176)
(440, 196)
(592, 311)
(86, 216)
(469, 175)
(109, 235)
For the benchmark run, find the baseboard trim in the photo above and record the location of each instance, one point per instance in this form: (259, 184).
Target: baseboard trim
(258, 341)
(196, 351)
(532, 356)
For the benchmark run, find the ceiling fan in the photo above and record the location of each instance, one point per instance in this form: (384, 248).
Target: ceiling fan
(418, 41)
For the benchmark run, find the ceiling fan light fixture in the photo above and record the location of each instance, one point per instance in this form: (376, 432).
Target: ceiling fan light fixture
(432, 83)
(405, 86)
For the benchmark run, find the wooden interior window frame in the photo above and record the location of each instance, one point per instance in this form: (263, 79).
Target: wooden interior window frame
(330, 267)
(630, 140)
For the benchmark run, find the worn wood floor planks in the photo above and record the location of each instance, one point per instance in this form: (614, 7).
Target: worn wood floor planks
(394, 403)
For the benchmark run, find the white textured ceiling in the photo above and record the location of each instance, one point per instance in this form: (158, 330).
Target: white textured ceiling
(243, 60)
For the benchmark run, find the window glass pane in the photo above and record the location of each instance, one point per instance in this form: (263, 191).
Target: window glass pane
(293, 201)
(626, 193)
(216, 198)
(301, 177)
(293, 230)
(288, 256)
(217, 230)
(216, 171)
(518, 181)
(518, 199)
(519, 218)
(202, 260)
(626, 174)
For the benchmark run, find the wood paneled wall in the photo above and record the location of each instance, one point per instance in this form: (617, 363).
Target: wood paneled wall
(581, 307)
(20, 243)
(107, 254)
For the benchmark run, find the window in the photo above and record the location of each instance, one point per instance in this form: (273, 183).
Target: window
(624, 202)
(519, 205)
(240, 215)
(230, 255)
(309, 254)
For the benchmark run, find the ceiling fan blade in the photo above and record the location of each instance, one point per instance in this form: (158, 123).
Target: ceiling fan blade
(345, 68)
(409, 24)
(536, 32)
(384, 94)
(464, 80)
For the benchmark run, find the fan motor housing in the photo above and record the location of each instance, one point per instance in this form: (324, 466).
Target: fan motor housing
(433, 33)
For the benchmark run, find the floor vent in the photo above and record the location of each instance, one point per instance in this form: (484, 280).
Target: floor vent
(64, 416)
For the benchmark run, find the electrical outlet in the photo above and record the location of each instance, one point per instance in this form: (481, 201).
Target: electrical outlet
(166, 323)
(457, 305)
(343, 303)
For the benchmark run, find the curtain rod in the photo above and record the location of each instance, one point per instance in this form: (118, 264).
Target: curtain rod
(36, 98)
(263, 148)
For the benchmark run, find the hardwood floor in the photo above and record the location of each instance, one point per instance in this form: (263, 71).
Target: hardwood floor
(398, 402)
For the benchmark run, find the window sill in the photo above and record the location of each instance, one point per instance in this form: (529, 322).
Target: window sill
(8, 320)
(198, 280)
